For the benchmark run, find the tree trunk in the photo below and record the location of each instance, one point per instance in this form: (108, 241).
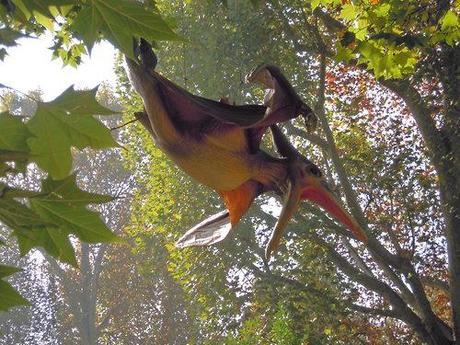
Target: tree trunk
(88, 330)
(450, 179)
(450, 200)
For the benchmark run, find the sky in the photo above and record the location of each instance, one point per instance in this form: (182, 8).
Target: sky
(29, 67)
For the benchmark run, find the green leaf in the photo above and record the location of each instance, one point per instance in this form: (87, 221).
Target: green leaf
(13, 133)
(63, 247)
(118, 21)
(54, 241)
(85, 224)
(314, 4)
(44, 20)
(449, 20)
(26, 240)
(6, 271)
(9, 297)
(388, 62)
(369, 51)
(89, 132)
(348, 12)
(89, 26)
(361, 31)
(51, 144)
(382, 9)
(16, 215)
(9, 192)
(40, 7)
(63, 123)
(9, 36)
(62, 205)
(67, 191)
(343, 53)
(78, 103)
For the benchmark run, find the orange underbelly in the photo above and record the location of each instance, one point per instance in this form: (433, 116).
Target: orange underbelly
(212, 165)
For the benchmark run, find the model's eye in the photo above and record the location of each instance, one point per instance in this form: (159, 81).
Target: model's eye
(314, 170)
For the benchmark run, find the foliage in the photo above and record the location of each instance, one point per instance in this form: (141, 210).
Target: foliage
(45, 217)
(77, 25)
(88, 296)
(391, 37)
(384, 77)
(10, 297)
(391, 138)
(374, 145)
(58, 209)
(228, 283)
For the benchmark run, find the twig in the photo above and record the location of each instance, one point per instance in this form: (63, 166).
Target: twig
(124, 124)
(18, 91)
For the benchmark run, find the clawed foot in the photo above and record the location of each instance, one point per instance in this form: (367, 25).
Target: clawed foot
(310, 118)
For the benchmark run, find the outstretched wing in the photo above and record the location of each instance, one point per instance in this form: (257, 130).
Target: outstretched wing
(194, 113)
(215, 228)
(212, 230)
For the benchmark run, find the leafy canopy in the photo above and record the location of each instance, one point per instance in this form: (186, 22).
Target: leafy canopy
(390, 36)
(47, 217)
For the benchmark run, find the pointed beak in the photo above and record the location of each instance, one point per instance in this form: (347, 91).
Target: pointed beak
(290, 206)
(316, 190)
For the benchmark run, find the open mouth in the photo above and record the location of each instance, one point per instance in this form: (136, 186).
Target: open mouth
(323, 197)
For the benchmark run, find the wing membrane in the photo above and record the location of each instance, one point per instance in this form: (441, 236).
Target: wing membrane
(212, 230)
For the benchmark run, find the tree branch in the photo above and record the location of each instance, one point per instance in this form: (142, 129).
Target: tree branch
(288, 30)
(313, 138)
(405, 313)
(435, 283)
(379, 312)
(356, 258)
(422, 116)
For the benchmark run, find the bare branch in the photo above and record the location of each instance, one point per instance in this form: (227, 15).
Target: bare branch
(313, 138)
(373, 284)
(379, 312)
(356, 258)
(320, 46)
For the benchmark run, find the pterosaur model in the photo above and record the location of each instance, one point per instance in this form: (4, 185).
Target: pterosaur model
(218, 145)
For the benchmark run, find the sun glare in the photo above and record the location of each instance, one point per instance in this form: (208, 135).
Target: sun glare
(29, 67)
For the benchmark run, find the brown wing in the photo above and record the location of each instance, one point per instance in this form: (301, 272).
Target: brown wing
(196, 115)
(193, 113)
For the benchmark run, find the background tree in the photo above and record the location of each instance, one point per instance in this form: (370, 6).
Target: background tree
(384, 78)
(46, 216)
(402, 268)
(243, 287)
